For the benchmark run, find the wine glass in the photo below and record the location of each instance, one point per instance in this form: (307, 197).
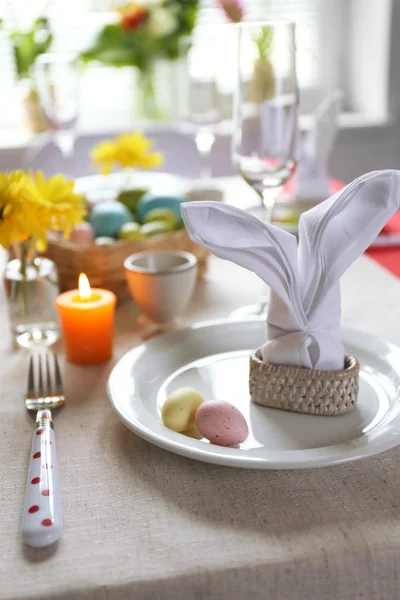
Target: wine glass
(266, 102)
(266, 105)
(199, 106)
(57, 81)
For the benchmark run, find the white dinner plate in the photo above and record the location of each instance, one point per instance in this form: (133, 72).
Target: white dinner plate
(96, 187)
(213, 358)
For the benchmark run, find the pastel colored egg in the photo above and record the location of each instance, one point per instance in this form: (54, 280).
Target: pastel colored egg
(221, 423)
(149, 202)
(162, 214)
(104, 241)
(82, 233)
(131, 198)
(290, 217)
(107, 218)
(130, 232)
(155, 228)
(179, 409)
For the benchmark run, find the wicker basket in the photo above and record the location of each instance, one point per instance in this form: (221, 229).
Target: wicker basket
(104, 264)
(302, 390)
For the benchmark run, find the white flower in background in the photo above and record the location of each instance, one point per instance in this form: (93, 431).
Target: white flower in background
(162, 22)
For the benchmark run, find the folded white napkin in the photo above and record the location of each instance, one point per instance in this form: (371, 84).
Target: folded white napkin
(303, 321)
(311, 180)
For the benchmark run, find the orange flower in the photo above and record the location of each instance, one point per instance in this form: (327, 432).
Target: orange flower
(132, 15)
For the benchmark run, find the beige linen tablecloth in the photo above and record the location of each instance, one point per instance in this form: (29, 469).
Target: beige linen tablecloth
(141, 523)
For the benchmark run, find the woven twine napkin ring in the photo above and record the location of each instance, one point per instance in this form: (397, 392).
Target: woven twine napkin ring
(303, 390)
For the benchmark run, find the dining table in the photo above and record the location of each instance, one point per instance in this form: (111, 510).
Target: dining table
(141, 523)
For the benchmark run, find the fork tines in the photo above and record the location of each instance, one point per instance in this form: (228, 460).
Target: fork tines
(45, 387)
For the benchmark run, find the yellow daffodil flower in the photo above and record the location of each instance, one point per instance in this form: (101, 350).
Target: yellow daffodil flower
(15, 198)
(126, 150)
(63, 207)
(31, 205)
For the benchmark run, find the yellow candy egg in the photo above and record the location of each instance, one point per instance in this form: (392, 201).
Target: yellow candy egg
(180, 407)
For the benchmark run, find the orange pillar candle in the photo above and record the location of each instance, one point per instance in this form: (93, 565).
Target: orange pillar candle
(87, 323)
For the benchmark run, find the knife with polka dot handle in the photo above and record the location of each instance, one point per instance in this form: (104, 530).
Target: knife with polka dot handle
(42, 514)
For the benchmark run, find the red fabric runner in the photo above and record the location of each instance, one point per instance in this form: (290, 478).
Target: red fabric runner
(389, 258)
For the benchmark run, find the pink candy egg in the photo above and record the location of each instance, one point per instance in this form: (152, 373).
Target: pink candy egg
(221, 423)
(82, 233)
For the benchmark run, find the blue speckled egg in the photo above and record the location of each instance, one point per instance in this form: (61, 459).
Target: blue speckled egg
(148, 202)
(107, 218)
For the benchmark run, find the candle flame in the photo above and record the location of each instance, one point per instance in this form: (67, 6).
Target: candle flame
(85, 291)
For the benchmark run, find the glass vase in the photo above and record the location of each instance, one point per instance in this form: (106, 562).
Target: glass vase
(31, 286)
(148, 104)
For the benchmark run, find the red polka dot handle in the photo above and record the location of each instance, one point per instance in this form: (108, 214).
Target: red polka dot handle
(42, 518)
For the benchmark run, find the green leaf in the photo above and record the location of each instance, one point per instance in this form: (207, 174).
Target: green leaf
(115, 46)
(27, 46)
(264, 43)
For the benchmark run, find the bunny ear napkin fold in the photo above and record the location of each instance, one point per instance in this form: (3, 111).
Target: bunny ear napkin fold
(303, 321)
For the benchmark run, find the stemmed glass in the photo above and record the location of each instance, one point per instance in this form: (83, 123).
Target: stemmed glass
(266, 105)
(199, 106)
(266, 101)
(57, 81)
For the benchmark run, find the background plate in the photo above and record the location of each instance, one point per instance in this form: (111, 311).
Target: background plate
(99, 187)
(213, 358)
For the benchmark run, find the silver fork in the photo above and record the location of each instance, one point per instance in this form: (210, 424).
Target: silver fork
(42, 517)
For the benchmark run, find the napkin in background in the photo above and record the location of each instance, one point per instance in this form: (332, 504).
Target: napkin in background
(311, 180)
(303, 321)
